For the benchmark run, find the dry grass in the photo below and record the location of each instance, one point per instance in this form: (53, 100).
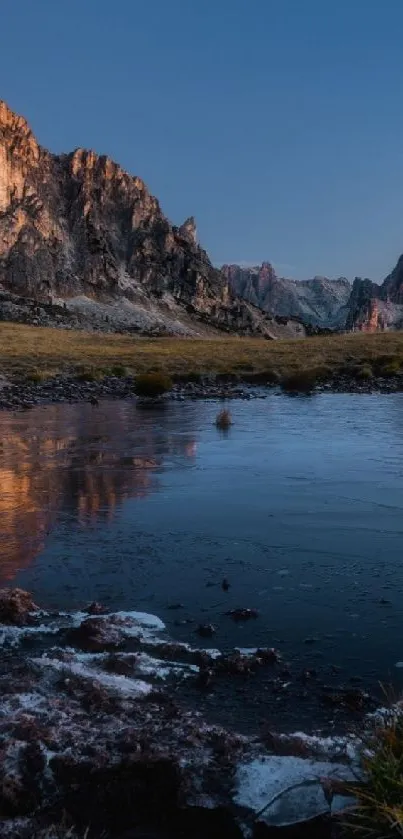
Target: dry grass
(223, 419)
(152, 385)
(378, 813)
(26, 349)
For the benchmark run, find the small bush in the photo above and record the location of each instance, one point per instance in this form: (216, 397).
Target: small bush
(391, 368)
(36, 377)
(223, 419)
(304, 381)
(379, 809)
(194, 378)
(364, 372)
(152, 385)
(89, 374)
(261, 377)
(119, 371)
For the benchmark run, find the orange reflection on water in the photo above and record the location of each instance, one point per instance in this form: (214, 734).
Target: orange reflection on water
(72, 458)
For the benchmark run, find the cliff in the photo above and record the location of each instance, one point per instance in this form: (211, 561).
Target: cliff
(77, 230)
(375, 307)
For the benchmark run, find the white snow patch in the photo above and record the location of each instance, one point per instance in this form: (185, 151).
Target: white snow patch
(149, 666)
(21, 702)
(75, 618)
(297, 783)
(332, 746)
(142, 618)
(143, 623)
(144, 664)
(119, 684)
(11, 636)
(213, 653)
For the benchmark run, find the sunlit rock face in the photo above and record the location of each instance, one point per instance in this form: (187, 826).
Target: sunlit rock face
(77, 225)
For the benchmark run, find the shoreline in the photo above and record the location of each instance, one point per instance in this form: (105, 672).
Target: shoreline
(92, 732)
(19, 394)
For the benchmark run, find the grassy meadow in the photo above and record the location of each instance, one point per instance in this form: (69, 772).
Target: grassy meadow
(30, 351)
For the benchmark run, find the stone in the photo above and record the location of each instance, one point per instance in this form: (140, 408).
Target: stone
(242, 614)
(98, 634)
(17, 607)
(206, 630)
(96, 609)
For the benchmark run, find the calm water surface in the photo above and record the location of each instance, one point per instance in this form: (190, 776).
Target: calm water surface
(299, 506)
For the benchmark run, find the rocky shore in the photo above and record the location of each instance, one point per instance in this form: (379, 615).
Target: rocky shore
(22, 394)
(92, 736)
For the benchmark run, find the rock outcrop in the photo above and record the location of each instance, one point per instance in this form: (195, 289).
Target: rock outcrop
(375, 307)
(317, 302)
(77, 229)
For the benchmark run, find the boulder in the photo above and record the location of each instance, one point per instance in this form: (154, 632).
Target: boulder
(17, 607)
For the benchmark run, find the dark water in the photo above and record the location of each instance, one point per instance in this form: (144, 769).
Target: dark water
(299, 506)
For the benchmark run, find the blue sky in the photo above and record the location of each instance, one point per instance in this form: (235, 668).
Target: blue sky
(277, 123)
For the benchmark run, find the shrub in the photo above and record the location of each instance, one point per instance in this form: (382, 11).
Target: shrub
(223, 419)
(304, 381)
(261, 377)
(192, 377)
(119, 371)
(89, 374)
(36, 377)
(390, 368)
(364, 372)
(379, 808)
(152, 385)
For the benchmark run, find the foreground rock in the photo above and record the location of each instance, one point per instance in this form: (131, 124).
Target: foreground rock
(17, 607)
(97, 740)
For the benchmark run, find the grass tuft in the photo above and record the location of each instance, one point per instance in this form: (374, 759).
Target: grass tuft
(119, 371)
(390, 368)
(90, 374)
(153, 385)
(304, 381)
(378, 813)
(364, 372)
(223, 419)
(36, 376)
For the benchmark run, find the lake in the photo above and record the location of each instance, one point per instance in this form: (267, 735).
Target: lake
(299, 506)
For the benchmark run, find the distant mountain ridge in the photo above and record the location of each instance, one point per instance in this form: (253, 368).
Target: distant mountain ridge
(319, 301)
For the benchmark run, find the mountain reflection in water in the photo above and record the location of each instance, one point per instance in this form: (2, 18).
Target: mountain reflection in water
(83, 460)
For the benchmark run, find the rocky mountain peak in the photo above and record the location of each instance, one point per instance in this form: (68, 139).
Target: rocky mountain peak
(189, 230)
(9, 121)
(19, 154)
(79, 230)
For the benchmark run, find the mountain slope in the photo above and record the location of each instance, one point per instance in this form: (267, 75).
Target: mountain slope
(375, 307)
(319, 302)
(77, 229)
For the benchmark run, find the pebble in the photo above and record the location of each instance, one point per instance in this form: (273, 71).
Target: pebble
(63, 388)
